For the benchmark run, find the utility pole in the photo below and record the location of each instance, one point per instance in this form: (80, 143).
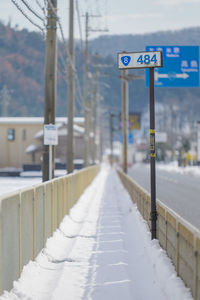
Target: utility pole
(124, 120)
(87, 104)
(70, 93)
(125, 77)
(94, 108)
(86, 99)
(50, 83)
(111, 136)
(5, 99)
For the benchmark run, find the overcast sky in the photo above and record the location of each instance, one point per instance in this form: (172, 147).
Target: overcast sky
(122, 16)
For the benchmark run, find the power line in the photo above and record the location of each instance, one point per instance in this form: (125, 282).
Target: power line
(43, 8)
(79, 24)
(31, 10)
(27, 17)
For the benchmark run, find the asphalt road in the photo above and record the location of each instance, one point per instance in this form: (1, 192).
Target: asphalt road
(180, 192)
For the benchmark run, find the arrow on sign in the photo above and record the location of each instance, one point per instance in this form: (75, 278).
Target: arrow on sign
(182, 75)
(171, 76)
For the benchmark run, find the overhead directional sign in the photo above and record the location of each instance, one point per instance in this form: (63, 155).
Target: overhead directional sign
(137, 60)
(180, 67)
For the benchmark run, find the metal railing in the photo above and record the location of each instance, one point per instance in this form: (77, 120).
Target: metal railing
(178, 237)
(29, 217)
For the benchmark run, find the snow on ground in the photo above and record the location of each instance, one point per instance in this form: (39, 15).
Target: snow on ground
(173, 167)
(101, 251)
(26, 179)
(11, 184)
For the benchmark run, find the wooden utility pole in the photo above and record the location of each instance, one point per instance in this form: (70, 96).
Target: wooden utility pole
(50, 83)
(111, 137)
(70, 92)
(125, 77)
(124, 120)
(94, 107)
(86, 99)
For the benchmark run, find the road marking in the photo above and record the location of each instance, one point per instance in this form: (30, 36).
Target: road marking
(168, 179)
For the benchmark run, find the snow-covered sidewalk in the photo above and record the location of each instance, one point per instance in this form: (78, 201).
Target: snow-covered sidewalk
(101, 251)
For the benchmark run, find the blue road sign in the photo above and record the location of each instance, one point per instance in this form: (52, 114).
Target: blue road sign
(130, 138)
(180, 67)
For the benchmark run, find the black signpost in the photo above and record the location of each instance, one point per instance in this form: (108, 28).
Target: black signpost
(152, 153)
(151, 60)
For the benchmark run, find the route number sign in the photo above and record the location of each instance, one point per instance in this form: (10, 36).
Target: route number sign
(137, 60)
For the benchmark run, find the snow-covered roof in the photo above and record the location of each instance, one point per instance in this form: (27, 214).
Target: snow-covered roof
(31, 148)
(36, 120)
(79, 129)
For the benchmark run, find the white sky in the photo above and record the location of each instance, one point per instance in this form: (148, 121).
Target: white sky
(123, 17)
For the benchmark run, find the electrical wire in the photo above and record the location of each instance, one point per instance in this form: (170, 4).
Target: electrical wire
(27, 17)
(79, 24)
(31, 10)
(43, 8)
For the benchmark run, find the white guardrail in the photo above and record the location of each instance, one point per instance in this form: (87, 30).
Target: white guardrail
(29, 217)
(179, 238)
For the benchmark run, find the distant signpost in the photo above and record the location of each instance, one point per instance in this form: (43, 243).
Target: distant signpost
(180, 67)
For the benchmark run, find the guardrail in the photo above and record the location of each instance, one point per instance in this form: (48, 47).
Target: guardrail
(29, 217)
(178, 237)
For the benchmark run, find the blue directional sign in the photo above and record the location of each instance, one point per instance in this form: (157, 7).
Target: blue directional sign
(130, 138)
(180, 67)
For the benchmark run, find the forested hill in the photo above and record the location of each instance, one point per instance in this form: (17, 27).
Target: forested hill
(22, 56)
(112, 44)
(22, 60)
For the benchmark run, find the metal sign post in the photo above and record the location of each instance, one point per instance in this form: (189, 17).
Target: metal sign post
(151, 60)
(50, 162)
(152, 153)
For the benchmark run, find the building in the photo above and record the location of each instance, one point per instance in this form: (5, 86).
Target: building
(22, 140)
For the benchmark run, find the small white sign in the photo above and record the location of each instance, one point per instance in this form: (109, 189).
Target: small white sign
(50, 134)
(137, 60)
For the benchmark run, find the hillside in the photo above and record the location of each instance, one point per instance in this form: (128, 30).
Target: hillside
(22, 60)
(112, 44)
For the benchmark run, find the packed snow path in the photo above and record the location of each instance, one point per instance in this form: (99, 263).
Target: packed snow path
(102, 251)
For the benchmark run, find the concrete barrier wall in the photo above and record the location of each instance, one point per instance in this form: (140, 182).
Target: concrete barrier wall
(29, 217)
(178, 237)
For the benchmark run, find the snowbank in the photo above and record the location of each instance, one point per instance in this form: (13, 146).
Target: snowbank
(101, 251)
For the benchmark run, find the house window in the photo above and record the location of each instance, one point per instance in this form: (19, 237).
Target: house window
(24, 134)
(11, 134)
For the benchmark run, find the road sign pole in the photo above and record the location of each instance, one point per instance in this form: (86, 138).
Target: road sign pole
(124, 120)
(152, 154)
(151, 60)
(50, 162)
